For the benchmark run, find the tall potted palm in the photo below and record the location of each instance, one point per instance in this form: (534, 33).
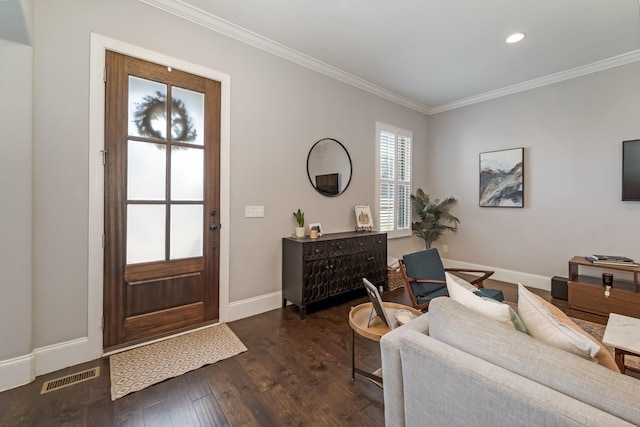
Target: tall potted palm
(434, 217)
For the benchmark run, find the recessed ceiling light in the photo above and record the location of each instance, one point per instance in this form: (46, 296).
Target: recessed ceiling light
(515, 38)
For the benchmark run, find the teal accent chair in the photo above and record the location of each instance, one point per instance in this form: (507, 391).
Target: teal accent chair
(423, 274)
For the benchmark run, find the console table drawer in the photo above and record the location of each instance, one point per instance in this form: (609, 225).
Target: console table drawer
(331, 248)
(368, 243)
(591, 298)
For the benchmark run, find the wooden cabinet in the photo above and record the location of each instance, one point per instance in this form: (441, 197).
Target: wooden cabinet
(586, 292)
(314, 270)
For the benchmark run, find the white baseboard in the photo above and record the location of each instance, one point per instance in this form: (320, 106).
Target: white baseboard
(24, 369)
(17, 371)
(527, 279)
(262, 303)
(252, 306)
(62, 355)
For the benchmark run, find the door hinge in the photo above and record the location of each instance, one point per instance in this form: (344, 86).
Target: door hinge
(102, 323)
(104, 238)
(104, 157)
(104, 75)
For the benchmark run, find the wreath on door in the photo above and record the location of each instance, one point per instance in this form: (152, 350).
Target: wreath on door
(153, 108)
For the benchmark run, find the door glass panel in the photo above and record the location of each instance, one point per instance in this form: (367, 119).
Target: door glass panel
(145, 233)
(146, 171)
(186, 231)
(187, 173)
(147, 108)
(187, 116)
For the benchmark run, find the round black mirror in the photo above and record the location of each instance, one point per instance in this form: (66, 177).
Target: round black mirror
(329, 167)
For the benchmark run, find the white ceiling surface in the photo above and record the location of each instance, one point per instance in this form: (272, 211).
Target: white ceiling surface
(437, 52)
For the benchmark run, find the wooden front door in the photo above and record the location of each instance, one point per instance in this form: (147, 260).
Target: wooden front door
(162, 199)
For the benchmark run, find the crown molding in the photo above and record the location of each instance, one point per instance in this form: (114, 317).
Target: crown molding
(229, 29)
(605, 64)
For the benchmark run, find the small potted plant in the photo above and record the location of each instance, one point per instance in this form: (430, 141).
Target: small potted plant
(300, 220)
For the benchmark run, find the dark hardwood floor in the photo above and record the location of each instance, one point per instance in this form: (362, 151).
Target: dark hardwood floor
(295, 373)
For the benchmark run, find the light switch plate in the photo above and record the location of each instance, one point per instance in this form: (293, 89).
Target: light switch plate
(254, 211)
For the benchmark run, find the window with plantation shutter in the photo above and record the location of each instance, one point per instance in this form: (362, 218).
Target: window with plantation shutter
(393, 179)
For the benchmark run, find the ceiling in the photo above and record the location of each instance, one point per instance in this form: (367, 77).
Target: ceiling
(437, 53)
(430, 55)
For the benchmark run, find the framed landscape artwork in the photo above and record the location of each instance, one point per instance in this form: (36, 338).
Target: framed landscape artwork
(502, 178)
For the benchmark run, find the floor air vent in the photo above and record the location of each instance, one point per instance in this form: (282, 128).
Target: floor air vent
(57, 384)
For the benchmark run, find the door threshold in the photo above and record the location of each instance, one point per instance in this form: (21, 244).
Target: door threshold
(130, 346)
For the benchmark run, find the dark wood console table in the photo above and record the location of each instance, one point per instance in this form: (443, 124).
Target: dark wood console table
(315, 270)
(586, 293)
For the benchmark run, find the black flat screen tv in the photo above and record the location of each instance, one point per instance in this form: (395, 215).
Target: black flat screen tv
(631, 170)
(328, 184)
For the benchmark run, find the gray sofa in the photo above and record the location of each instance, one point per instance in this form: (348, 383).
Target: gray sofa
(453, 367)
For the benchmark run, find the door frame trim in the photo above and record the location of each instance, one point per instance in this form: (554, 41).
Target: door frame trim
(99, 44)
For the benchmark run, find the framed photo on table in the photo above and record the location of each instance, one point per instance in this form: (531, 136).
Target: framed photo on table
(364, 220)
(317, 226)
(376, 301)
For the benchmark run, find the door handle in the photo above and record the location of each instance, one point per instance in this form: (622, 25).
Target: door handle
(213, 226)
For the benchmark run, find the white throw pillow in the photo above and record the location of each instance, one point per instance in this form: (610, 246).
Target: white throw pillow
(460, 292)
(460, 281)
(546, 327)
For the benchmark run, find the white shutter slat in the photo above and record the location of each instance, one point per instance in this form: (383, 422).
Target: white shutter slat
(404, 159)
(394, 179)
(387, 211)
(387, 155)
(404, 213)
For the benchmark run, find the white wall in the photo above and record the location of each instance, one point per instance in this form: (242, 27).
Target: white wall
(278, 111)
(15, 193)
(16, 311)
(572, 133)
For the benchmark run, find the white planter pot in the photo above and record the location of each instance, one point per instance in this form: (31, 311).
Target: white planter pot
(299, 232)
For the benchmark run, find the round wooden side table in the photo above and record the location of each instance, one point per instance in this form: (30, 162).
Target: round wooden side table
(366, 323)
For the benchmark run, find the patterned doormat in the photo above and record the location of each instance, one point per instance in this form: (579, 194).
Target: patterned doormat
(141, 367)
